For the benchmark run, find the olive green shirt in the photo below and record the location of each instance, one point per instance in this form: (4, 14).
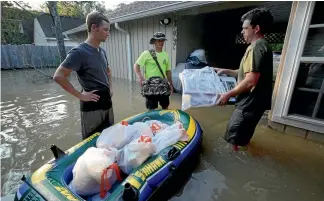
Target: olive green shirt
(257, 58)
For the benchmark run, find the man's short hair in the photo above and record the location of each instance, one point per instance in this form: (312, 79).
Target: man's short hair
(261, 17)
(95, 18)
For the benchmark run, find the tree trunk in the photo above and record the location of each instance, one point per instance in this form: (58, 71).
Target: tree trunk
(52, 7)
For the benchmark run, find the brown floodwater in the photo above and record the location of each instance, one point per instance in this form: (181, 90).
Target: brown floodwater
(36, 112)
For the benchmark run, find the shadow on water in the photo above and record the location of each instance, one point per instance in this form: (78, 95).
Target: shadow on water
(35, 115)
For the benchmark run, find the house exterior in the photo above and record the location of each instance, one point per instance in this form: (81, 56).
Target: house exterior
(44, 32)
(298, 101)
(216, 26)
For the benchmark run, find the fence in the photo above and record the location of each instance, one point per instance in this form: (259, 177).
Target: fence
(29, 56)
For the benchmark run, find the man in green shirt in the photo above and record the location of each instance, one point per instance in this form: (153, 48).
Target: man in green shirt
(151, 69)
(254, 89)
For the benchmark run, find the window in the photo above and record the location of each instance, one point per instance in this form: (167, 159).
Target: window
(308, 94)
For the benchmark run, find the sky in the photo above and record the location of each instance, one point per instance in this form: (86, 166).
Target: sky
(35, 4)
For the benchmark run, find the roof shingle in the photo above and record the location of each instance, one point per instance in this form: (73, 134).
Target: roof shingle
(136, 7)
(67, 23)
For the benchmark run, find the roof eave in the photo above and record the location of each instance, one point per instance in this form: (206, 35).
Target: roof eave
(83, 27)
(146, 13)
(160, 10)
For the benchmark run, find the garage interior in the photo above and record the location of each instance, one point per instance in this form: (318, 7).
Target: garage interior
(217, 29)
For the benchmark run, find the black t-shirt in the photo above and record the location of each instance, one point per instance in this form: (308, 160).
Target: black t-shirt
(257, 58)
(90, 65)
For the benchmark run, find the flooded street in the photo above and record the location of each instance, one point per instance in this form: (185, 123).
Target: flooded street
(36, 113)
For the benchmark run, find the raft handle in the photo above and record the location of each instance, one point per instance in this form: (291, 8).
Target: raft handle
(173, 153)
(57, 152)
(130, 193)
(32, 187)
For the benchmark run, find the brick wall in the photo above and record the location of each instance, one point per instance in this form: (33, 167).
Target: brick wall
(290, 130)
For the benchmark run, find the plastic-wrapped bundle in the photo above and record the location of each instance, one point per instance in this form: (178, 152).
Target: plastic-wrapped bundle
(201, 87)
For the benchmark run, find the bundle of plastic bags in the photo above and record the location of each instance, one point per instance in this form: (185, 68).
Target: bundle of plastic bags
(135, 153)
(121, 147)
(169, 136)
(119, 135)
(95, 169)
(201, 87)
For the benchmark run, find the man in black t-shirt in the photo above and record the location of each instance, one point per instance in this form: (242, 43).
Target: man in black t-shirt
(254, 89)
(94, 74)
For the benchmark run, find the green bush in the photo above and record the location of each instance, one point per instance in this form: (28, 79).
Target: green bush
(276, 46)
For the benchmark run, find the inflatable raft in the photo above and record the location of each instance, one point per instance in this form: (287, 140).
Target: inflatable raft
(50, 182)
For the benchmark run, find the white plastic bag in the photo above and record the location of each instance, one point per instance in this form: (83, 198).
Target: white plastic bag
(113, 136)
(119, 135)
(201, 87)
(156, 126)
(135, 153)
(200, 54)
(89, 168)
(137, 129)
(169, 136)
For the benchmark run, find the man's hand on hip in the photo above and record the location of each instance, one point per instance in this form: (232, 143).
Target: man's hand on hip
(89, 96)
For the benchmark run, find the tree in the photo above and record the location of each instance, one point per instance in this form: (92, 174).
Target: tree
(20, 4)
(52, 7)
(77, 8)
(13, 13)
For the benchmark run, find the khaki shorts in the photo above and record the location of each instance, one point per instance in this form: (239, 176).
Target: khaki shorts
(96, 121)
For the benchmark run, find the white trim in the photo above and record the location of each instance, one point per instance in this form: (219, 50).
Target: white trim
(290, 66)
(161, 10)
(66, 39)
(305, 119)
(290, 58)
(299, 124)
(300, 48)
(82, 27)
(146, 13)
(312, 59)
(316, 26)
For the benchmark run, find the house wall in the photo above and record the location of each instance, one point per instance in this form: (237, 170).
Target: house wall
(141, 31)
(79, 37)
(66, 43)
(39, 35)
(41, 40)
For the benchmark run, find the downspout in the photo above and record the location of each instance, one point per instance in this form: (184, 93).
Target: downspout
(129, 51)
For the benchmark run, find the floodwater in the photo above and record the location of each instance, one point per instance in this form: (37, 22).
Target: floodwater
(36, 112)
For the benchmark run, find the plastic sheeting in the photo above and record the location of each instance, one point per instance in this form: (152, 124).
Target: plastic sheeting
(196, 60)
(201, 87)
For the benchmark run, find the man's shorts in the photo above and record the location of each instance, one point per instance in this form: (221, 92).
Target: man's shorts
(96, 121)
(241, 126)
(153, 101)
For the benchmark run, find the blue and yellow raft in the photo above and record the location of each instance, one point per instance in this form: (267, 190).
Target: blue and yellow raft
(50, 182)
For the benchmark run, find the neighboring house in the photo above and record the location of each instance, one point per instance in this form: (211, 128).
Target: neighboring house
(28, 29)
(44, 31)
(216, 27)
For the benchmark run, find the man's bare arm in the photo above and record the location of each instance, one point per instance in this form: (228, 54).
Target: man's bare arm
(229, 72)
(249, 82)
(109, 76)
(169, 76)
(60, 77)
(138, 72)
